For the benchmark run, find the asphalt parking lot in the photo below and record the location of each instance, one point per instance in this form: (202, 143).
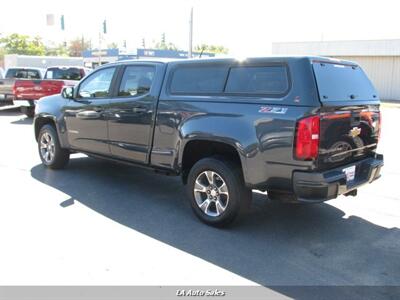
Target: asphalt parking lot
(100, 223)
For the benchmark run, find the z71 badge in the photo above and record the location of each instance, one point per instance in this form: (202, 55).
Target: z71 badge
(273, 110)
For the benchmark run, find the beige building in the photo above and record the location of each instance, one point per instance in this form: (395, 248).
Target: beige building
(15, 60)
(379, 58)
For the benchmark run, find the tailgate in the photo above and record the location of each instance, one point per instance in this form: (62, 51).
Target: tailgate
(348, 134)
(36, 89)
(6, 86)
(350, 116)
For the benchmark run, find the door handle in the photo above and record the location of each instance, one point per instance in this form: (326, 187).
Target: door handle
(139, 110)
(88, 114)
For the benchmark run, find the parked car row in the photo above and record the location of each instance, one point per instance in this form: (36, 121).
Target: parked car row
(23, 86)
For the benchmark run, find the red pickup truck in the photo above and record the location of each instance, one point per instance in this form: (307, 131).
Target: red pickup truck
(26, 92)
(13, 74)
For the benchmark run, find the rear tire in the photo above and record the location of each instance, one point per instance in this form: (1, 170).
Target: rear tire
(217, 191)
(29, 111)
(50, 151)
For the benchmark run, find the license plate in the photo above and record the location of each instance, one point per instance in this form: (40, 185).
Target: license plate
(350, 173)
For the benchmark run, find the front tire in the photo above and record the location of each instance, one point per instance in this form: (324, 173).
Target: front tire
(50, 151)
(217, 191)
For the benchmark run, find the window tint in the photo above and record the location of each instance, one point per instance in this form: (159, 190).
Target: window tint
(338, 82)
(97, 85)
(199, 79)
(136, 81)
(23, 74)
(257, 80)
(64, 73)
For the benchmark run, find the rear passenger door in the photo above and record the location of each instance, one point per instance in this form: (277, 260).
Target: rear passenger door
(131, 111)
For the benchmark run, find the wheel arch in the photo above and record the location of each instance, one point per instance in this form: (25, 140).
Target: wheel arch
(42, 120)
(195, 149)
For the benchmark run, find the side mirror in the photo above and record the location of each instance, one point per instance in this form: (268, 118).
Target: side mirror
(68, 92)
(84, 94)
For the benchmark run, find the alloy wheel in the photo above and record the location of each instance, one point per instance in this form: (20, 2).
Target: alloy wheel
(211, 193)
(47, 147)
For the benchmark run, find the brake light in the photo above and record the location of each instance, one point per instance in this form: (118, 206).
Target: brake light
(307, 138)
(379, 125)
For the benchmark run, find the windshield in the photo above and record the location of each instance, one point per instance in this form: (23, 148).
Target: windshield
(64, 74)
(342, 82)
(23, 74)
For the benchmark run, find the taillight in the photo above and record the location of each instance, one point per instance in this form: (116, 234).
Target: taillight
(307, 138)
(379, 125)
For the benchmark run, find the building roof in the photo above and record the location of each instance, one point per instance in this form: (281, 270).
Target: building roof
(42, 57)
(340, 48)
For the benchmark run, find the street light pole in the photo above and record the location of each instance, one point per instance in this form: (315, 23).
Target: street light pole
(190, 55)
(100, 38)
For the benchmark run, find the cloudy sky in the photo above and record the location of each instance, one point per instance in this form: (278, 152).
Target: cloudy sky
(246, 27)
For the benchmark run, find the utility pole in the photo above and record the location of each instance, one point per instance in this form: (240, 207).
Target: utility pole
(100, 38)
(190, 55)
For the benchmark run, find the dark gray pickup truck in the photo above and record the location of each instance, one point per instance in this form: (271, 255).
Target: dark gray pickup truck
(304, 129)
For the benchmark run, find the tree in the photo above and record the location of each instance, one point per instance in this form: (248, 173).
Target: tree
(2, 52)
(77, 46)
(211, 48)
(22, 44)
(59, 50)
(163, 45)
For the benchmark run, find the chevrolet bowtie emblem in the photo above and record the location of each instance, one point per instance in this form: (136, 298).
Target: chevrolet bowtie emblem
(355, 131)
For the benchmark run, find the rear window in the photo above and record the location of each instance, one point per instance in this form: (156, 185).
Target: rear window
(199, 79)
(257, 80)
(64, 74)
(23, 74)
(340, 82)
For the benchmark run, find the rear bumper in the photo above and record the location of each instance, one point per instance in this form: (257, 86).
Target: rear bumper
(26, 103)
(6, 99)
(323, 186)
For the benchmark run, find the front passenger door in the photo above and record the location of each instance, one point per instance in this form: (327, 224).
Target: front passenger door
(85, 116)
